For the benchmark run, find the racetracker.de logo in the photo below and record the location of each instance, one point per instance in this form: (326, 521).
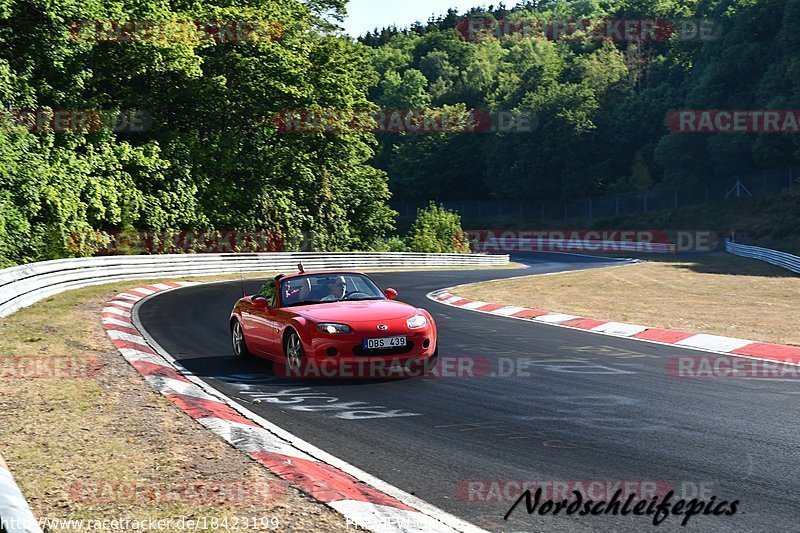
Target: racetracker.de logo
(74, 121)
(510, 490)
(214, 492)
(654, 241)
(403, 121)
(734, 121)
(146, 242)
(446, 367)
(617, 30)
(50, 367)
(176, 31)
(722, 366)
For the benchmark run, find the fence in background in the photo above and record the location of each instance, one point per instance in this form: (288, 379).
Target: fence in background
(25, 285)
(597, 207)
(781, 259)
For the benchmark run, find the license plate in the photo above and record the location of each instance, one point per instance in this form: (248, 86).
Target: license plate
(385, 343)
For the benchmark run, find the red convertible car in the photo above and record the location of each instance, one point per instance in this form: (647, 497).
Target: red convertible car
(334, 324)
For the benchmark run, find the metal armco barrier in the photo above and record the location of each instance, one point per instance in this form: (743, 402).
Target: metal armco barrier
(25, 285)
(781, 259)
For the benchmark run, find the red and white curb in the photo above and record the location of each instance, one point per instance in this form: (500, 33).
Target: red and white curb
(710, 343)
(15, 515)
(363, 500)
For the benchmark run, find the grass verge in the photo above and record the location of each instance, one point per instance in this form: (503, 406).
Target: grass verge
(107, 446)
(716, 293)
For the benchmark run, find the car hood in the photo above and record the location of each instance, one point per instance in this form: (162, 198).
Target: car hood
(356, 311)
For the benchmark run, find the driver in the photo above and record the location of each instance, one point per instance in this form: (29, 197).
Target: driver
(338, 290)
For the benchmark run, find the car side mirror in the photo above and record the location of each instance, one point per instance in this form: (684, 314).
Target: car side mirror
(259, 302)
(390, 293)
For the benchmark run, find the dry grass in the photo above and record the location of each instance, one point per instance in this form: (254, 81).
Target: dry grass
(113, 428)
(717, 293)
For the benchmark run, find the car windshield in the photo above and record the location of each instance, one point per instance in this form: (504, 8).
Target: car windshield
(327, 288)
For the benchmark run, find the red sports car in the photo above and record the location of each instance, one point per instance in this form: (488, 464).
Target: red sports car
(334, 324)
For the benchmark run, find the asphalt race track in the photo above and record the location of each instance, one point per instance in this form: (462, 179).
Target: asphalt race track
(558, 405)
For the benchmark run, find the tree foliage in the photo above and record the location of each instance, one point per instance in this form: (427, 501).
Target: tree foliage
(212, 157)
(437, 230)
(600, 105)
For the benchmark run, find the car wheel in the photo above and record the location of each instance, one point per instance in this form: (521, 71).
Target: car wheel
(293, 352)
(240, 350)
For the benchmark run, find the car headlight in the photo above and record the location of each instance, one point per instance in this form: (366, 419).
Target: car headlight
(334, 329)
(416, 322)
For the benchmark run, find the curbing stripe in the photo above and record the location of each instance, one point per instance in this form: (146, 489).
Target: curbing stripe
(508, 310)
(371, 516)
(109, 310)
(749, 349)
(776, 352)
(622, 330)
(251, 439)
(470, 304)
(129, 337)
(666, 336)
(583, 323)
(205, 408)
(529, 313)
(556, 318)
(361, 504)
(116, 322)
(116, 325)
(323, 481)
(714, 343)
(149, 368)
(121, 304)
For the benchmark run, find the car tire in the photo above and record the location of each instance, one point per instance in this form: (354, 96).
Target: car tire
(240, 350)
(293, 353)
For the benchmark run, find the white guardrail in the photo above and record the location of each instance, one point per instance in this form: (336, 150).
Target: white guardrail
(25, 285)
(781, 259)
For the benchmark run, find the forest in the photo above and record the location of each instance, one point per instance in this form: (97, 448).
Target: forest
(198, 147)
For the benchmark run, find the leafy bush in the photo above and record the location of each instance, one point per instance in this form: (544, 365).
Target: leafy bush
(437, 230)
(392, 244)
